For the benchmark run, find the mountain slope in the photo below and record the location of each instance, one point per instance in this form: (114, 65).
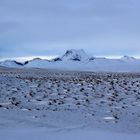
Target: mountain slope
(11, 63)
(80, 60)
(73, 55)
(128, 58)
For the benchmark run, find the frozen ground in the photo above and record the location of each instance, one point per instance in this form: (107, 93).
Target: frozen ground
(48, 104)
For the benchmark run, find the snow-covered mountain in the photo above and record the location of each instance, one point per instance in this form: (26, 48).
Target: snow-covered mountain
(11, 63)
(37, 62)
(128, 58)
(73, 55)
(80, 60)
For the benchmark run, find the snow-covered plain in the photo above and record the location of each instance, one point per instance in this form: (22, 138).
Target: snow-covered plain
(48, 104)
(44, 134)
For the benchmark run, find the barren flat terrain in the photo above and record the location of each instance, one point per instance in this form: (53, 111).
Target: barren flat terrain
(66, 101)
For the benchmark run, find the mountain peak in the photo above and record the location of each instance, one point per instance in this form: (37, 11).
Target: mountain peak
(128, 58)
(68, 52)
(76, 55)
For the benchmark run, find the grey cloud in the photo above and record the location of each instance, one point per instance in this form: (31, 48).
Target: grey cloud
(103, 27)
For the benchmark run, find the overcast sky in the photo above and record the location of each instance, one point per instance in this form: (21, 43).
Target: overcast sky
(49, 27)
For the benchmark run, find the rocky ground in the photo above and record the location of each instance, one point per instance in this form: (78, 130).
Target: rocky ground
(63, 100)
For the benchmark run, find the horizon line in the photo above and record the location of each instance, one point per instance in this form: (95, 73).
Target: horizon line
(49, 57)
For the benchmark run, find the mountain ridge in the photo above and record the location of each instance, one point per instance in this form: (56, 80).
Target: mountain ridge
(79, 60)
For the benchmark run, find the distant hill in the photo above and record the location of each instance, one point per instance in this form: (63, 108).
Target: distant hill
(80, 60)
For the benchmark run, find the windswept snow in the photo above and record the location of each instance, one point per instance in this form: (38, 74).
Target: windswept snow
(26, 133)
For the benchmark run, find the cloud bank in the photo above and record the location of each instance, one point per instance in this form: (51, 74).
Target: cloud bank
(48, 27)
